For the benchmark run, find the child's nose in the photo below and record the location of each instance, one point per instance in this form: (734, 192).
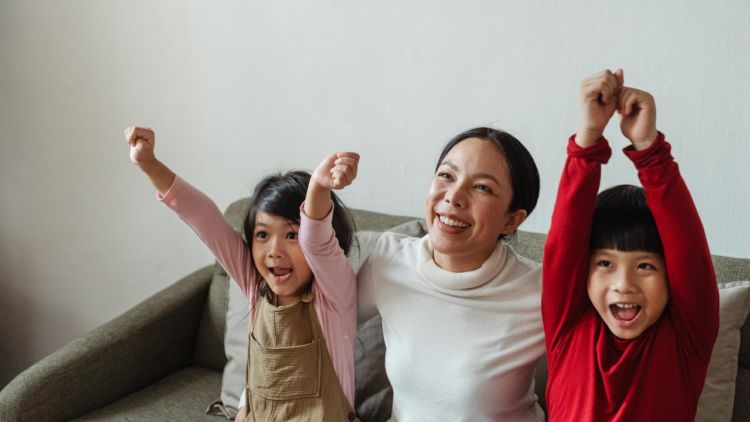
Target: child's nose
(623, 282)
(275, 249)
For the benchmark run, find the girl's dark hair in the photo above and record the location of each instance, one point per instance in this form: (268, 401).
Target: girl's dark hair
(282, 195)
(623, 221)
(524, 174)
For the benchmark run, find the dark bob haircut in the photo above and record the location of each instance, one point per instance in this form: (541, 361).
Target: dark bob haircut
(623, 221)
(524, 174)
(282, 195)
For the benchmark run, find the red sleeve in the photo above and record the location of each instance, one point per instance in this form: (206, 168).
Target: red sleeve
(566, 252)
(693, 294)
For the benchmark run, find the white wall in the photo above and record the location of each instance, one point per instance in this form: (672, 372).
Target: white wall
(236, 89)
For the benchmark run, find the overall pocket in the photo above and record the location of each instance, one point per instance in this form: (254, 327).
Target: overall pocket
(284, 373)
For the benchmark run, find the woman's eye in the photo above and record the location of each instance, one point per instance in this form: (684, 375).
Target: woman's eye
(483, 188)
(444, 175)
(292, 235)
(261, 235)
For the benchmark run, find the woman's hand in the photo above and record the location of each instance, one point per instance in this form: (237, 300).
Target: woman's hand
(638, 111)
(599, 100)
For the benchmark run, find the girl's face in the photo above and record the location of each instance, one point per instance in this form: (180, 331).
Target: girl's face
(279, 258)
(628, 290)
(468, 205)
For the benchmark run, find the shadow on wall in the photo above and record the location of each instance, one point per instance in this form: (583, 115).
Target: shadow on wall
(23, 318)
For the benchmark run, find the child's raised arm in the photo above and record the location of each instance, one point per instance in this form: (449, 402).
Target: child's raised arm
(142, 142)
(196, 209)
(334, 276)
(566, 251)
(693, 301)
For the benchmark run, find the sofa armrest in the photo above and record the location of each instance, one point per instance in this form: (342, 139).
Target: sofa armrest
(136, 349)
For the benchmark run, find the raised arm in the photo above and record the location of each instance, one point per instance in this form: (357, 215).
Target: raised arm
(333, 274)
(694, 299)
(196, 209)
(566, 251)
(142, 142)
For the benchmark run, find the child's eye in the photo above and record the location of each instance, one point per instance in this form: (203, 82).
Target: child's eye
(646, 266)
(603, 263)
(292, 235)
(261, 235)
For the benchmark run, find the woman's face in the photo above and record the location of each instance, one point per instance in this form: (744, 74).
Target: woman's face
(467, 205)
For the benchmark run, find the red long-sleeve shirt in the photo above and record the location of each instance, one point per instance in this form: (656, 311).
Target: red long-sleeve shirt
(593, 375)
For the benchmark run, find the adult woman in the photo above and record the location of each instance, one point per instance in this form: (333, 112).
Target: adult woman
(460, 310)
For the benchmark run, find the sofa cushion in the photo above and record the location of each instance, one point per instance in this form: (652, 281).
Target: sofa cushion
(181, 396)
(717, 399)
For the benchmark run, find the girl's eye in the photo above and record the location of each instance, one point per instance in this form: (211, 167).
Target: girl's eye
(646, 266)
(604, 263)
(261, 235)
(292, 235)
(483, 188)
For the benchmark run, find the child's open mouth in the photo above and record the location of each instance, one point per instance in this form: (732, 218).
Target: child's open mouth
(626, 314)
(280, 274)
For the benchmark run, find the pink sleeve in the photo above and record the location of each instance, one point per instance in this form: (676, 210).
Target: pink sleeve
(333, 274)
(204, 217)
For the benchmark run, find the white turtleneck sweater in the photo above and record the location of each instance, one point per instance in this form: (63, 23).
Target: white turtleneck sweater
(459, 346)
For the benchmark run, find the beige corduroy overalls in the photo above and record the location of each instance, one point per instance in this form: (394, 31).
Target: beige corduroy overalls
(290, 376)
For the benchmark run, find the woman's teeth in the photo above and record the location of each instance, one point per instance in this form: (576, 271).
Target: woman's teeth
(453, 223)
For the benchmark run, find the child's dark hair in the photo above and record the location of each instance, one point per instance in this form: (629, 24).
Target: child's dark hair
(282, 195)
(623, 221)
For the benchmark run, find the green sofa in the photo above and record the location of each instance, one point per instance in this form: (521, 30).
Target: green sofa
(163, 359)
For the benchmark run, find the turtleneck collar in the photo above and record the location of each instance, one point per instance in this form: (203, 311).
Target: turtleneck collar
(451, 282)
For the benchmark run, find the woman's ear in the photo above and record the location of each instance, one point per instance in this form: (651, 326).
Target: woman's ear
(514, 220)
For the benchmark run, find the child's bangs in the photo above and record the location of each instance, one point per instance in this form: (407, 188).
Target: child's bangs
(623, 221)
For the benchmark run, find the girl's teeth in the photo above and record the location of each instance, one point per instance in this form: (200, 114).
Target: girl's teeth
(452, 223)
(625, 305)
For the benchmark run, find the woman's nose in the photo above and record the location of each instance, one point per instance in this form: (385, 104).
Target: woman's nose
(455, 196)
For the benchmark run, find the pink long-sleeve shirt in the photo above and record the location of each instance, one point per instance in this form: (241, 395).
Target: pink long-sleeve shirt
(334, 282)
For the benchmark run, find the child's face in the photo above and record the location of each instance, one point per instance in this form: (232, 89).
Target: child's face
(628, 290)
(279, 258)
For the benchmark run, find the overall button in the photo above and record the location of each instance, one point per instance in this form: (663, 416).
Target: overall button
(351, 417)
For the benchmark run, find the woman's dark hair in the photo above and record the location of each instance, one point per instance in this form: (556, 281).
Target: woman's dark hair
(524, 175)
(623, 221)
(282, 195)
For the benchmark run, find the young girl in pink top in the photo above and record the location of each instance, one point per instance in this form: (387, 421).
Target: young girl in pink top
(292, 268)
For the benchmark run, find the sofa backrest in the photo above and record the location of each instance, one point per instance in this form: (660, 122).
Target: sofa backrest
(209, 349)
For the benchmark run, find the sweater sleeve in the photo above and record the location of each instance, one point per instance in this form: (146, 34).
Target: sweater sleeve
(693, 294)
(333, 273)
(566, 252)
(203, 216)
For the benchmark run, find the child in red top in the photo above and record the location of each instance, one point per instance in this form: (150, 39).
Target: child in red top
(629, 303)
